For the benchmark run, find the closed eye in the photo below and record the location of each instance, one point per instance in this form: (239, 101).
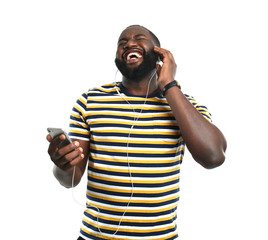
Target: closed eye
(140, 37)
(122, 41)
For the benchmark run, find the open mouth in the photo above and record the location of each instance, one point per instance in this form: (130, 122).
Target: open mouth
(132, 56)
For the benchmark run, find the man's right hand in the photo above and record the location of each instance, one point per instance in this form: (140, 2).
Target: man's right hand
(66, 157)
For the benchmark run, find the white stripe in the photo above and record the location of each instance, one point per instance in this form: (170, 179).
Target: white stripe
(148, 170)
(94, 211)
(140, 149)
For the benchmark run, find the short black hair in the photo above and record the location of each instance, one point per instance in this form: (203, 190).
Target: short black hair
(155, 38)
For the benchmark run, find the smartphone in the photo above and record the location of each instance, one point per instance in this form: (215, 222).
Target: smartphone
(54, 132)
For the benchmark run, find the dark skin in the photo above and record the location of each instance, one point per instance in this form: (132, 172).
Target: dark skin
(204, 140)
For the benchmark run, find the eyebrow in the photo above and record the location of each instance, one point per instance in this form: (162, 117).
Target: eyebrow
(136, 36)
(140, 35)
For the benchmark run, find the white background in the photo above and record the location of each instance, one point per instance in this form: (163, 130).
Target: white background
(52, 51)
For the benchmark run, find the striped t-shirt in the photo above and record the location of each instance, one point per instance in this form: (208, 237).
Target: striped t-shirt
(136, 149)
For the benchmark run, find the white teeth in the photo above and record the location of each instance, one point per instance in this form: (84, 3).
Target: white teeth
(133, 54)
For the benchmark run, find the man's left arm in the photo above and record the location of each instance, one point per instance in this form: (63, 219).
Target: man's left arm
(204, 140)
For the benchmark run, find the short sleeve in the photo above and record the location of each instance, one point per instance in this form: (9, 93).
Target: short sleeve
(201, 108)
(78, 127)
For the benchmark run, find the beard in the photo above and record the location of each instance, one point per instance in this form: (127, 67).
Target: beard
(141, 71)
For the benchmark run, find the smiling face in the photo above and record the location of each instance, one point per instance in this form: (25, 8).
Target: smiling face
(135, 57)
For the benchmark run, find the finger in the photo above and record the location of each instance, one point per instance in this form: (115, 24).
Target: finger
(62, 152)
(70, 159)
(163, 53)
(77, 156)
(54, 143)
(49, 138)
(159, 51)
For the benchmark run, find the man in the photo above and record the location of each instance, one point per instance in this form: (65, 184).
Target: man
(132, 135)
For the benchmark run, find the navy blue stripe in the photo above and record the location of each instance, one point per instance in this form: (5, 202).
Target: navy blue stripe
(137, 145)
(124, 154)
(145, 175)
(132, 234)
(76, 119)
(123, 102)
(124, 194)
(137, 214)
(80, 103)
(132, 204)
(122, 125)
(107, 108)
(89, 236)
(76, 135)
(76, 126)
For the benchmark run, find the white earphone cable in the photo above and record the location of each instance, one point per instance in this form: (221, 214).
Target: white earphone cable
(135, 119)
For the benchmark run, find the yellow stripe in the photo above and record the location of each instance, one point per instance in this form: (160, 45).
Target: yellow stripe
(89, 106)
(116, 238)
(79, 132)
(82, 99)
(116, 114)
(153, 141)
(104, 90)
(80, 110)
(118, 98)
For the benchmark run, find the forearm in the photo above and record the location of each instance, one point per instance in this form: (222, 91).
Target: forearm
(65, 177)
(203, 139)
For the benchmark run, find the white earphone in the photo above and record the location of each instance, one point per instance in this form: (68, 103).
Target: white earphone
(135, 119)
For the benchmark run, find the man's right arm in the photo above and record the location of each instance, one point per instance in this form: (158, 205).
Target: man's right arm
(66, 158)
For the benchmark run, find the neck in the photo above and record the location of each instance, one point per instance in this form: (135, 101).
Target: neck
(140, 86)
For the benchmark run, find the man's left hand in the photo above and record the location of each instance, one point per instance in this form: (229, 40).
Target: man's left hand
(166, 72)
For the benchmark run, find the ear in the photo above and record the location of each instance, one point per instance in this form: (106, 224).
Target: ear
(158, 69)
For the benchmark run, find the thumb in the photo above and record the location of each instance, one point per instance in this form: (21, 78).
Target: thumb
(49, 138)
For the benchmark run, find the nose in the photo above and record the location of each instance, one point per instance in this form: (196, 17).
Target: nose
(130, 43)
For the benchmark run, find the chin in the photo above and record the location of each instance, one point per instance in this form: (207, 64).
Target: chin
(135, 71)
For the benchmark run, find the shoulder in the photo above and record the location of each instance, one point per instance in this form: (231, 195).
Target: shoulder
(107, 89)
(192, 100)
(104, 89)
(100, 94)
(201, 108)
